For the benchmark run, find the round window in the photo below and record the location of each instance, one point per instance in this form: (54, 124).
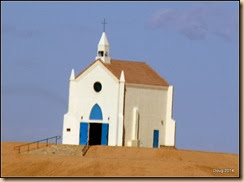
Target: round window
(97, 86)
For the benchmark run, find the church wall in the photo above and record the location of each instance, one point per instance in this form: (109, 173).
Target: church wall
(151, 102)
(83, 97)
(170, 122)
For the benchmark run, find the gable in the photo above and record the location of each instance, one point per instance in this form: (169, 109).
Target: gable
(91, 67)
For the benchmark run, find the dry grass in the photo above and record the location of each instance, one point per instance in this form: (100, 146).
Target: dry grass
(116, 161)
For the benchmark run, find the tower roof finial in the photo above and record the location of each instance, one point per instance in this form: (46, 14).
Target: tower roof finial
(104, 22)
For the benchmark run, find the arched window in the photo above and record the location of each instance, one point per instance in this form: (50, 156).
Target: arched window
(96, 113)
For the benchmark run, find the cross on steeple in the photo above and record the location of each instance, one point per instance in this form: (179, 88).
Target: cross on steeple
(104, 22)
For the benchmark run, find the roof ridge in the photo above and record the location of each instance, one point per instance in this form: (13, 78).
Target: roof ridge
(128, 61)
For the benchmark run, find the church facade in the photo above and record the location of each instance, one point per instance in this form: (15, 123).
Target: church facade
(119, 103)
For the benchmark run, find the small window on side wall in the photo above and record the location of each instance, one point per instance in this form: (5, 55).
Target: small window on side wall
(68, 129)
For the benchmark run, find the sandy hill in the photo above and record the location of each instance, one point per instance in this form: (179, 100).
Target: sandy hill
(64, 160)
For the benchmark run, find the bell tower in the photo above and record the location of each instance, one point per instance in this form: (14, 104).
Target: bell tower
(103, 47)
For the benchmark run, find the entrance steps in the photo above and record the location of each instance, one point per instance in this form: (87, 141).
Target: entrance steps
(59, 149)
(100, 151)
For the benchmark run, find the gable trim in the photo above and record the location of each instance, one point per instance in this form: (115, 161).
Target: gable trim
(91, 67)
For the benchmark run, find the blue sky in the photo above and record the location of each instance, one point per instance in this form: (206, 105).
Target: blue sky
(193, 45)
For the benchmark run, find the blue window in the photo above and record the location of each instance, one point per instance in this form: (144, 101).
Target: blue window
(96, 113)
(155, 138)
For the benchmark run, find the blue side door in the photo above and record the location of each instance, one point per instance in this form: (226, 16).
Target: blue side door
(155, 138)
(83, 133)
(104, 138)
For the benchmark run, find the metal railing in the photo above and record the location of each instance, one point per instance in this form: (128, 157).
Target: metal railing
(87, 146)
(85, 149)
(37, 142)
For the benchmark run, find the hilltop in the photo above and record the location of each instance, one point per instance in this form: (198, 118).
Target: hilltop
(66, 160)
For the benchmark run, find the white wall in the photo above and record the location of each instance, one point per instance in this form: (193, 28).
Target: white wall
(170, 122)
(151, 102)
(82, 97)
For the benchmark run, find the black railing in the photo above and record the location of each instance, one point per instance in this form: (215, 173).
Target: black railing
(37, 142)
(85, 149)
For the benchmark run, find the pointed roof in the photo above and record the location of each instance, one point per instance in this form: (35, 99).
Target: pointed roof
(72, 75)
(122, 77)
(103, 40)
(134, 72)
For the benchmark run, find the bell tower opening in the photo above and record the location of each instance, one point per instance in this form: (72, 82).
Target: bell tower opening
(100, 53)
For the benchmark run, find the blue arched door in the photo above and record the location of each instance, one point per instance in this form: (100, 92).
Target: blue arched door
(102, 139)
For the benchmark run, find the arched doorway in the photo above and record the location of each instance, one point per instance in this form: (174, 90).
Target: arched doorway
(97, 133)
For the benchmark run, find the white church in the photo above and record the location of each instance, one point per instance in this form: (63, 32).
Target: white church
(119, 103)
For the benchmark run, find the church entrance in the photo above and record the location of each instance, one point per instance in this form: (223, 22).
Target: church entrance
(95, 134)
(98, 134)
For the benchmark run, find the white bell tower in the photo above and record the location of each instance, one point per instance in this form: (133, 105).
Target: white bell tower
(103, 47)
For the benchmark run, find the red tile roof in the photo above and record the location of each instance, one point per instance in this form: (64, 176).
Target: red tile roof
(135, 72)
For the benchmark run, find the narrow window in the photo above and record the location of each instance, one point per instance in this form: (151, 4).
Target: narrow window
(68, 129)
(155, 138)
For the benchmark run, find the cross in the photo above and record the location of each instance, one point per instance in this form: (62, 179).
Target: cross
(104, 22)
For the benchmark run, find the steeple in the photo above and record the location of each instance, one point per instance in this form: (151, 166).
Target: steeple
(72, 75)
(103, 49)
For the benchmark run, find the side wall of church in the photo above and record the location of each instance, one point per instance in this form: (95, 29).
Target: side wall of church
(152, 104)
(82, 98)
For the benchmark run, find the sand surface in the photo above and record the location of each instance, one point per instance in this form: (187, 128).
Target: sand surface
(63, 160)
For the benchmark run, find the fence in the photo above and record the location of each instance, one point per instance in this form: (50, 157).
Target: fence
(46, 140)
